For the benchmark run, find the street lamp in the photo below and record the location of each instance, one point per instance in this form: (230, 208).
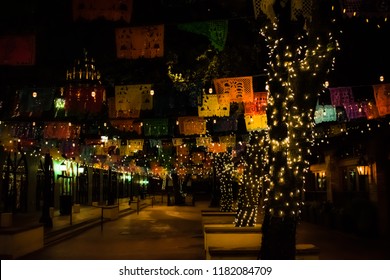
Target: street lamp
(362, 167)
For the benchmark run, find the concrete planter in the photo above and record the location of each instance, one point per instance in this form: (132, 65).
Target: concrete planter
(6, 219)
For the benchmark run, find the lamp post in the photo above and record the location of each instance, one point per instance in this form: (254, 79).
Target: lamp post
(362, 167)
(66, 199)
(46, 218)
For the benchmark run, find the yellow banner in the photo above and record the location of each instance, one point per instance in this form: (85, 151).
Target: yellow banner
(214, 106)
(256, 122)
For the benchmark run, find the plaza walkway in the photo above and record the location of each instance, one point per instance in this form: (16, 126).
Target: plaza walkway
(161, 232)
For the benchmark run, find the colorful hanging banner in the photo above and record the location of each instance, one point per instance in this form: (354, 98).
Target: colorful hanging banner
(183, 150)
(301, 8)
(127, 125)
(216, 148)
(256, 122)
(17, 50)
(372, 110)
(215, 30)
(80, 101)
(325, 113)
(343, 96)
(258, 106)
(197, 157)
(192, 125)
(135, 145)
(32, 102)
(24, 130)
(128, 100)
(356, 110)
(113, 10)
(146, 97)
(203, 141)
(155, 127)
(240, 89)
(60, 130)
(382, 98)
(228, 140)
(177, 141)
(140, 42)
(211, 106)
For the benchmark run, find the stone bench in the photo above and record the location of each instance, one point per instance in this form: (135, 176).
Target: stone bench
(19, 241)
(303, 252)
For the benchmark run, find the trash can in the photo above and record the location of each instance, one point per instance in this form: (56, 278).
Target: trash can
(65, 204)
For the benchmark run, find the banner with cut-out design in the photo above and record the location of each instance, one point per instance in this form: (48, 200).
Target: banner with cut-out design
(258, 106)
(32, 102)
(60, 130)
(343, 96)
(382, 98)
(112, 10)
(325, 113)
(217, 148)
(177, 141)
(128, 100)
(214, 106)
(192, 125)
(203, 141)
(228, 140)
(256, 122)
(127, 126)
(80, 101)
(215, 30)
(140, 42)
(135, 145)
(155, 127)
(240, 89)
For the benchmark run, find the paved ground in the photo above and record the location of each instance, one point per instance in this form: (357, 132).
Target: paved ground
(166, 232)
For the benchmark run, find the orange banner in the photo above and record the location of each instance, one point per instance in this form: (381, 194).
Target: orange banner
(240, 89)
(192, 125)
(217, 148)
(258, 106)
(140, 42)
(382, 98)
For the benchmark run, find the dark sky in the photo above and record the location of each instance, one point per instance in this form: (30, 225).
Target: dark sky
(364, 47)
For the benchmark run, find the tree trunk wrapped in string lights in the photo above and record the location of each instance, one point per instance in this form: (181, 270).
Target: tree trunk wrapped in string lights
(224, 179)
(301, 54)
(250, 183)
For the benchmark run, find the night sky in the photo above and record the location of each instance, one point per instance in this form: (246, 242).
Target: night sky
(363, 58)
